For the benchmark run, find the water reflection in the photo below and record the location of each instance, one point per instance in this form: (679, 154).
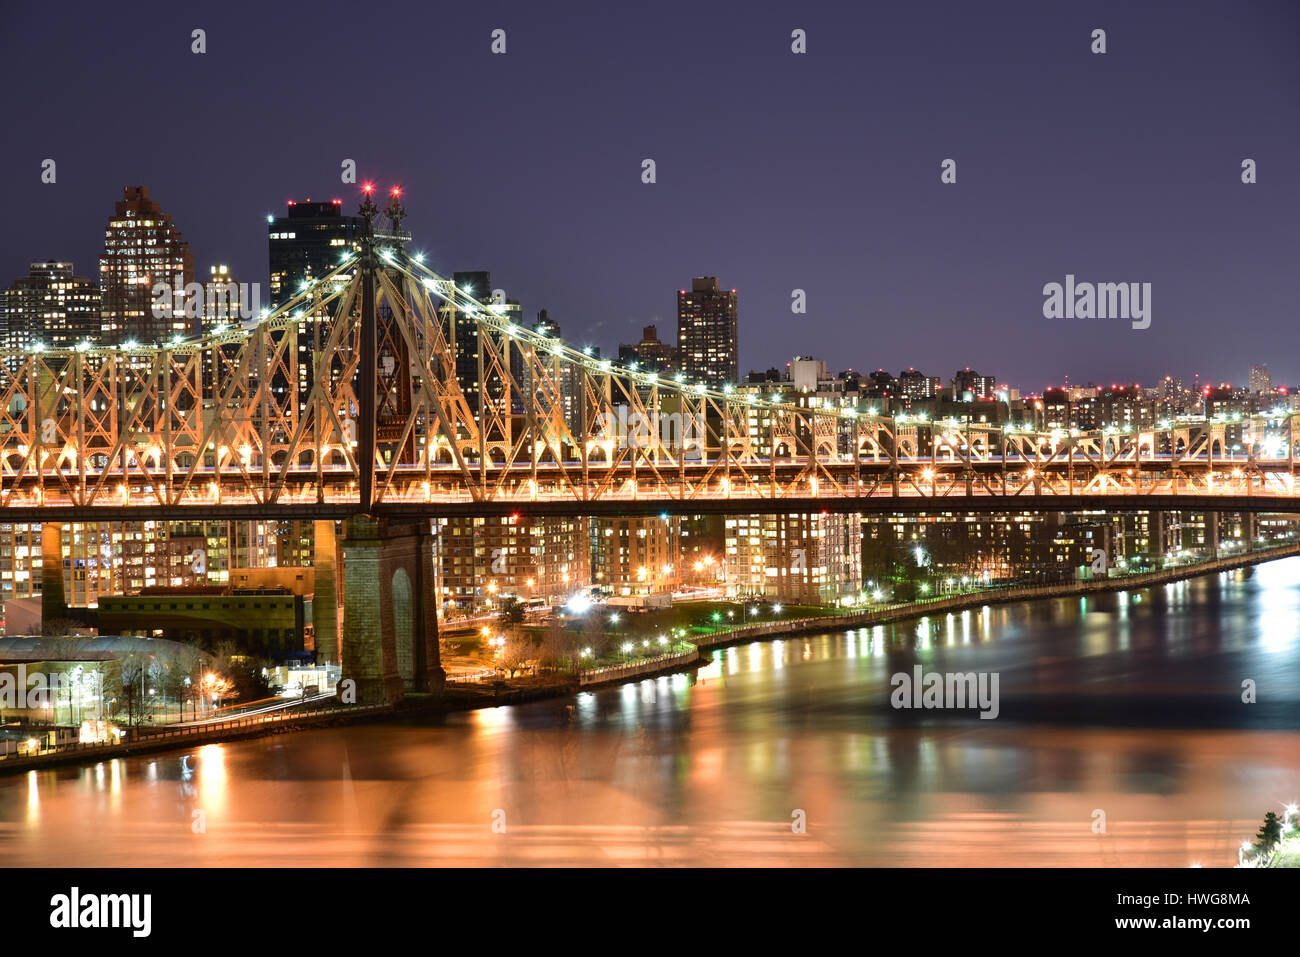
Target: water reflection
(1128, 703)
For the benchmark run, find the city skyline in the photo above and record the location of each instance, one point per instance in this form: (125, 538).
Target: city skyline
(939, 276)
(520, 313)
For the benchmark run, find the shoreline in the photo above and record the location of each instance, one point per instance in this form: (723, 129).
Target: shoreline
(470, 700)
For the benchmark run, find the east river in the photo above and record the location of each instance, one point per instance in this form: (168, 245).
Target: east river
(1121, 739)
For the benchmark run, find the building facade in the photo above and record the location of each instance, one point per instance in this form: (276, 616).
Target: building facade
(707, 339)
(143, 249)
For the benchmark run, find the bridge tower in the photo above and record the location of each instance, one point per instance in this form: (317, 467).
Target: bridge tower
(390, 607)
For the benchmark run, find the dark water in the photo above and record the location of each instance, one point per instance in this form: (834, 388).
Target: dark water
(1126, 704)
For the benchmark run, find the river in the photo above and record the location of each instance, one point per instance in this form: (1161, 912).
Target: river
(1121, 739)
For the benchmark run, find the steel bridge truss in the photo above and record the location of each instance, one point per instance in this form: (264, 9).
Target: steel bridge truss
(378, 417)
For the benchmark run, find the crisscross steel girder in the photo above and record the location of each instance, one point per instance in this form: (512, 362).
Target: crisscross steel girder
(229, 422)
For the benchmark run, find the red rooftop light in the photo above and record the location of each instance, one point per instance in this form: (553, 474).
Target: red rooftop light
(368, 188)
(397, 191)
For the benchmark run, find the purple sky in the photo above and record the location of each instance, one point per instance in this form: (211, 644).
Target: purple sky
(775, 171)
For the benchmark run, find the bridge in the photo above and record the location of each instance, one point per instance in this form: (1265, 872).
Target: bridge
(344, 403)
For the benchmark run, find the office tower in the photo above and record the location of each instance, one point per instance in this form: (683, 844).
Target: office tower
(50, 306)
(1261, 379)
(143, 250)
(707, 344)
(306, 243)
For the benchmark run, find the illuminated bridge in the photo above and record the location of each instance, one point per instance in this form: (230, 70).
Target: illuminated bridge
(369, 423)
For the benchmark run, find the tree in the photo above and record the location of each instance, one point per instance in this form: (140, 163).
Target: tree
(512, 610)
(1270, 832)
(560, 647)
(593, 633)
(244, 672)
(518, 654)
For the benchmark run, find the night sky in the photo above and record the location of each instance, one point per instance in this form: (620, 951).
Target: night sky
(775, 171)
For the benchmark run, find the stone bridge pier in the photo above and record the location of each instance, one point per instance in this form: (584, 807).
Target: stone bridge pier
(390, 609)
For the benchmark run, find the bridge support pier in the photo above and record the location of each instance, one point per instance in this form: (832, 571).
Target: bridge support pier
(1248, 531)
(390, 609)
(1212, 533)
(324, 602)
(1156, 539)
(54, 604)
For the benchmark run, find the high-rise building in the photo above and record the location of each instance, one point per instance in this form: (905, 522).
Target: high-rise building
(811, 559)
(307, 243)
(916, 386)
(51, 306)
(143, 249)
(483, 560)
(634, 556)
(1261, 379)
(707, 342)
(651, 354)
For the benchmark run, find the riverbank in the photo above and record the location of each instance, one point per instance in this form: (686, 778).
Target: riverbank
(901, 611)
(468, 697)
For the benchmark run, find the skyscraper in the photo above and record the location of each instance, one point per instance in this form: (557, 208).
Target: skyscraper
(304, 245)
(143, 248)
(707, 342)
(307, 243)
(52, 306)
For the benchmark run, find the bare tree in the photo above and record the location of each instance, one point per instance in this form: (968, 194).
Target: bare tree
(559, 647)
(593, 633)
(517, 655)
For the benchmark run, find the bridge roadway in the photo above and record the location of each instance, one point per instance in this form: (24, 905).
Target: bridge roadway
(876, 504)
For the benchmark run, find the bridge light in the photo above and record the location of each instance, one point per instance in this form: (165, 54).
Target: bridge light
(368, 188)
